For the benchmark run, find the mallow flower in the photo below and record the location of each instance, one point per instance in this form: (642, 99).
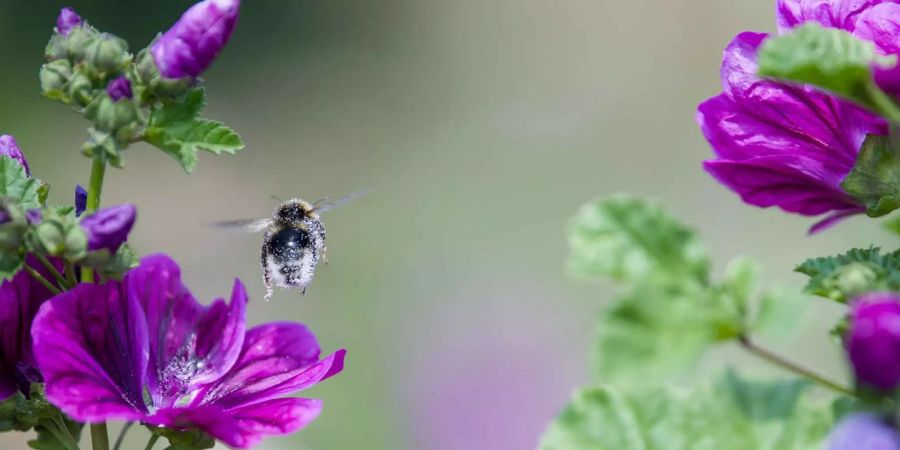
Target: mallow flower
(9, 147)
(20, 298)
(189, 47)
(143, 349)
(873, 340)
(791, 146)
(863, 431)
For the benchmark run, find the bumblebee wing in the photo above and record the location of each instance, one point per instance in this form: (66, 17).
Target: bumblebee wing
(326, 203)
(246, 226)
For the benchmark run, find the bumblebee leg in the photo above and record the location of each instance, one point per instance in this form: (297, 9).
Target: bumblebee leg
(304, 291)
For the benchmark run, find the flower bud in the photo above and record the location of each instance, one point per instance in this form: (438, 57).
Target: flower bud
(67, 20)
(8, 147)
(109, 227)
(863, 431)
(108, 115)
(80, 199)
(107, 53)
(190, 46)
(54, 76)
(119, 88)
(80, 88)
(873, 341)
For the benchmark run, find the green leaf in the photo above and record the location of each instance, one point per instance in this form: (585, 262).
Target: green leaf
(732, 415)
(631, 239)
(16, 186)
(893, 224)
(855, 272)
(829, 58)
(660, 329)
(176, 130)
(875, 179)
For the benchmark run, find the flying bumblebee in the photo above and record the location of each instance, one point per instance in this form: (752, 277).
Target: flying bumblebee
(294, 241)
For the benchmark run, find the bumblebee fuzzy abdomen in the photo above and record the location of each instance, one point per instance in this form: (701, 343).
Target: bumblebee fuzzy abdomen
(290, 254)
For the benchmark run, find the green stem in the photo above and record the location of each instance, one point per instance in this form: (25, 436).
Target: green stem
(61, 432)
(121, 437)
(40, 279)
(785, 363)
(153, 438)
(98, 170)
(884, 103)
(99, 436)
(70, 273)
(60, 279)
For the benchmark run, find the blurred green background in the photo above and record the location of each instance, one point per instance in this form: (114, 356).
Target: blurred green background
(485, 124)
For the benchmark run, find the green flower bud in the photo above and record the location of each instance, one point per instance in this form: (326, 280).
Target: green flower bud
(107, 53)
(54, 77)
(80, 88)
(50, 236)
(854, 279)
(109, 115)
(76, 243)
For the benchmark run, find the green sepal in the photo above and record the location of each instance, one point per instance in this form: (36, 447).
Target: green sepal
(176, 129)
(832, 59)
(55, 77)
(875, 179)
(184, 439)
(111, 266)
(107, 53)
(855, 272)
(150, 86)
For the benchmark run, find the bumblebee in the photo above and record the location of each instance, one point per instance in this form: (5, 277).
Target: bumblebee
(294, 241)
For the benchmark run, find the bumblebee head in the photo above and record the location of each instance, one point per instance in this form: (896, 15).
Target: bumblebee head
(294, 211)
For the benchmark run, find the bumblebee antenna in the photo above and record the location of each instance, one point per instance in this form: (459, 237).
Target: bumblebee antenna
(275, 197)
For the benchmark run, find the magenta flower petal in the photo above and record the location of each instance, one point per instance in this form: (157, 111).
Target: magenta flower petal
(20, 299)
(189, 47)
(277, 358)
(782, 145)
(67, 20)
(91, 346)
(109, 227)
(830, 13)
(190, 345)
(119, 88)
(9, 147)
(873, 342)
(880, 24)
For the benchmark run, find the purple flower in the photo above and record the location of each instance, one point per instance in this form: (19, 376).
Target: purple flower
(8, 147)
(119, 88)
(190, 46)
(863, 431)
(20, 298)
(873, 342)
(786, 145)
(109, 227)
(80, 199)
(144, 349)
(67, 20)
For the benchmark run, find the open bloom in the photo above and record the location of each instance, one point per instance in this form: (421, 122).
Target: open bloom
(144, 349)
(9, 147)
(864, 431)
(786, 145)
(873, 342)
(190, 46)
(20, 298)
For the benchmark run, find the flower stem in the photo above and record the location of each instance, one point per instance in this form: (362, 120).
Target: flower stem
(98, 170)
(63, 283)
(121, 437)
(40, 279)
(99, 436)
(785, 363)
(70, 273)
(153, 438)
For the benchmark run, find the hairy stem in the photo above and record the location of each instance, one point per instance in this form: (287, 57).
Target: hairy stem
(153, 438)
(785, 363)
(60, 279)
(98, 170)
(40, 279)
(121, 437)
(99, 436)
